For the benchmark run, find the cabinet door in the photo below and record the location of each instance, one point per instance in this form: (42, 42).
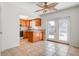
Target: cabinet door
(37, 22)
(24, 34)
(30, 37)
(35, 36)
(23, 23)
(26, 23)
(41, 35)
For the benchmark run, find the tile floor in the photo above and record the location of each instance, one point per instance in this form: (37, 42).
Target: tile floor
(41, 48)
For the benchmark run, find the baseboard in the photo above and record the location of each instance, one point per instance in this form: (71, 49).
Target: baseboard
(58, 42)
(3, 49)
(76, 46)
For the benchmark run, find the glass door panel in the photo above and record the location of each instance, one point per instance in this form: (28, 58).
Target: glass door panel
(58, 30)
(63, 24)
(51, 30)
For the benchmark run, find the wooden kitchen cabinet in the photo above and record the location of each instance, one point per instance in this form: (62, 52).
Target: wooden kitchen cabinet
(25, 35)
(25, 23)
(28, 23)
(38, 22)
(33, 36)
(41, 35)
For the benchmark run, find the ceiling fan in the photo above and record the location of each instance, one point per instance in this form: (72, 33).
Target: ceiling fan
(45, 7)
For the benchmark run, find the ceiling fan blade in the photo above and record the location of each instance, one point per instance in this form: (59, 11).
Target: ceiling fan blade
(39, 5)
(52, 9)
(39, 10)
(52, 4)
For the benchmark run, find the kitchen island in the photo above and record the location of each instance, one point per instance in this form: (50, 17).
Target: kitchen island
(34, 35)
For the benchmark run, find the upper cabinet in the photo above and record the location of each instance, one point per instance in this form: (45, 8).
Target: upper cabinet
(25, 23)
(29, 23)
(38, 22)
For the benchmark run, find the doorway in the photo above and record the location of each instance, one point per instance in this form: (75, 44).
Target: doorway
(58, 30)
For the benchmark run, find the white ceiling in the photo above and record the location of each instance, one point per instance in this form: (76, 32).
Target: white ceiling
(30, 7)
(64, 5)
(61, 5)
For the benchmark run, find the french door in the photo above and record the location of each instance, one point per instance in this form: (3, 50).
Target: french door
(58, 30)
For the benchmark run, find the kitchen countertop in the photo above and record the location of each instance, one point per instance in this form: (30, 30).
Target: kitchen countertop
(35, 30)
(24, 29)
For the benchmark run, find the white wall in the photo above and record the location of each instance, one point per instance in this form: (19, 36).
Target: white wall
(10, 23)
(0, 28)
(10, 28)
(74, 22)
(0, 37)
(0, 42)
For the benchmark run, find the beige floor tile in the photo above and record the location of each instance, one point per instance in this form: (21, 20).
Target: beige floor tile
(41, 48)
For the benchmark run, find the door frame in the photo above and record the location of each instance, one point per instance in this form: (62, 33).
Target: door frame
(57, 30)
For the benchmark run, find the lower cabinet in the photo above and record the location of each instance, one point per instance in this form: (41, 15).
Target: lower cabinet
(33, 36)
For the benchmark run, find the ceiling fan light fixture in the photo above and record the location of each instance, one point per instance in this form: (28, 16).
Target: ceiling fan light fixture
(45, 7)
